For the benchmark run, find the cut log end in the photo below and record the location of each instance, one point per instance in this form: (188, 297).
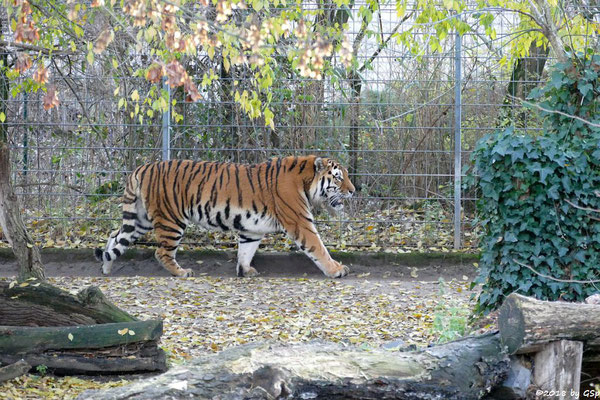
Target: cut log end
(511, 323)
(527, 325)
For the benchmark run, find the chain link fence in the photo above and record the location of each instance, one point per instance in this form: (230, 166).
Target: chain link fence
(403, 123)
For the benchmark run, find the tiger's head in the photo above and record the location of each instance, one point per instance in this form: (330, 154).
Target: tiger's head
(330, 186)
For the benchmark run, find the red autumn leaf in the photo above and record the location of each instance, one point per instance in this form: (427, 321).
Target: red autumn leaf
(154, 73)
(41, 75)
(23, 62)
(191, 89)
(104, 39)
(51, 98)
(26, 32)
(176, 74)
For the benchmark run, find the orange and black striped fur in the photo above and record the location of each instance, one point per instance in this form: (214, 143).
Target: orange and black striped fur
(253, 200)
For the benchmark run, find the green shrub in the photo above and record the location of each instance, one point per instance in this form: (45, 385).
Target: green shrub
(526, 183)
(450, 318)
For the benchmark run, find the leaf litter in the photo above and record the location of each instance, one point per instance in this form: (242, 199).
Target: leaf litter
(208, 314)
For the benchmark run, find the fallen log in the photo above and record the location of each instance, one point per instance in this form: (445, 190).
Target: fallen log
(464, 369)
(34, 303)
(26, 339)
(526, 324)
(14, 370)
(82, 333)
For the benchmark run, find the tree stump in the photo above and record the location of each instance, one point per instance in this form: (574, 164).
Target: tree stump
(562, 337)
(527, 324)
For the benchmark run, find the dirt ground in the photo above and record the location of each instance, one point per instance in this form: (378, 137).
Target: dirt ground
(140, 262)
(387, 299)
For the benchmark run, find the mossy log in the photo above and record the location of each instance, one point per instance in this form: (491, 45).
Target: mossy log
(82, 333)
(34, 303)
(464, 369)
(527, 324)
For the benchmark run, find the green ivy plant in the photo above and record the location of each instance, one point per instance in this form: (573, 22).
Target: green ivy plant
(539, 195)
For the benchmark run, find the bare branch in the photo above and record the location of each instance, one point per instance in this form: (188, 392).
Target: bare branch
(584, 209)
(383, 43)
(26, 46)
(595, 125)
(556, 279)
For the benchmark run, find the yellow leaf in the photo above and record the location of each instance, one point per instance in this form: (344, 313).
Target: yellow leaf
(70, 336)
(131, 333)
(123, 331)
(24, 284)
(2, 117)
(12, 284)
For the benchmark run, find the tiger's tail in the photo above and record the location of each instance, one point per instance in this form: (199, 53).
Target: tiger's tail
(135, 224)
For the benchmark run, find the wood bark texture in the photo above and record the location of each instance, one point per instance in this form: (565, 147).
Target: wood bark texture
(527, 324)
(83, 333)
(464, 369)
(558, 368)
(41, 304)
(27, 254)
(14, 370)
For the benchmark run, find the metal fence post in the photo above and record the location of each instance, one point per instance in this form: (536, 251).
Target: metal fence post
(166, 125)
(457, 139)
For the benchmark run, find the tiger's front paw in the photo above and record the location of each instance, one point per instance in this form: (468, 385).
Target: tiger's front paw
(339, 271)
(185, 273)
(246, 272)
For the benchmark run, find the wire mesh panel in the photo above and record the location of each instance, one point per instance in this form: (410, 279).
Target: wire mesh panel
(391, 122)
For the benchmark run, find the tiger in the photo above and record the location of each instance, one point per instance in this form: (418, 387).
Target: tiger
(278, 195)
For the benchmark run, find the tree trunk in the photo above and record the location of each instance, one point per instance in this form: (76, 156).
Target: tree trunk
(28, 255)
(527, 324)
(528, 70)
(465, 369)
(523, 79)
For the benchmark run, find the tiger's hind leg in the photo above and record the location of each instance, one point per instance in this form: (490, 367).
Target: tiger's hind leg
(247, 246)
(168, 240)
(135, 224)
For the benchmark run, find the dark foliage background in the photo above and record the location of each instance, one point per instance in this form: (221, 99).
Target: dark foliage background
(540, 195)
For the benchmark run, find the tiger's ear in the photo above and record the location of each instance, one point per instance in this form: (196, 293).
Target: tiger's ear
(319, 164)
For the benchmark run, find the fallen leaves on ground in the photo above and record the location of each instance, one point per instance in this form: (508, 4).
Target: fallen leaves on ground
(395, 229)
(208, 314)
